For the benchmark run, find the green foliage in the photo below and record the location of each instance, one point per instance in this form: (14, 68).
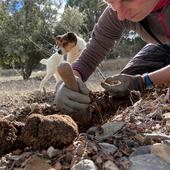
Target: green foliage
(92, 8)
(26, 34)
(128, 46)
(71, 20)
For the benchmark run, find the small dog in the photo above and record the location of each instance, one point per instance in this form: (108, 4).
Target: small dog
(69, 44)
(51, 68)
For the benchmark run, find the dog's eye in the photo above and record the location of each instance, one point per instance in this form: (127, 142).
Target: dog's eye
(65, 43)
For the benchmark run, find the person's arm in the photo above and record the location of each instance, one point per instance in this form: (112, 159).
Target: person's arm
(108, 30)
(122, 84)
(161, 76)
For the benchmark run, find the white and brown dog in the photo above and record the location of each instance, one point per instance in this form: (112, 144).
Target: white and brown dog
(51, 68)
(69, 44)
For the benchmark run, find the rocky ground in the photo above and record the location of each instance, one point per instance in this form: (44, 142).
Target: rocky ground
(130, 133)
(119, 133)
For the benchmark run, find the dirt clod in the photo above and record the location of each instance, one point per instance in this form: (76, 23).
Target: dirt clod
(41, 132)
(7, 135)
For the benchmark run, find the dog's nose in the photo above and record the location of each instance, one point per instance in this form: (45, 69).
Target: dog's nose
(59, 51)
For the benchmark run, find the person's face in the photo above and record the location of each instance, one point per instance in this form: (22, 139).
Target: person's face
(132, 10)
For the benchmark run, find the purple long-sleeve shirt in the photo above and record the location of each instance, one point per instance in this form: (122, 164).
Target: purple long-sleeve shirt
(109, 29)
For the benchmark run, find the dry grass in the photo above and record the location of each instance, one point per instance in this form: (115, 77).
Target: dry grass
(16, 93)
(108, 68)
(15, 84)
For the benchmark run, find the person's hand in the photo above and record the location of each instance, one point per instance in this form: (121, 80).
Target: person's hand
(70, 101)
(122, 84)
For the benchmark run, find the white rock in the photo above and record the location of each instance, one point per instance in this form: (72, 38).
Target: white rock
(15, 157)
(35, 107)
(166, 116)
(51, 152)
(168, 125)
(109, 165)
(85, 164)
(3, 112)
(3, 168)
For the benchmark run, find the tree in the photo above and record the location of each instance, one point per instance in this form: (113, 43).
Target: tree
(92, 9)
(71, 20)
(28, 33)
(3, 35)
(128, 46)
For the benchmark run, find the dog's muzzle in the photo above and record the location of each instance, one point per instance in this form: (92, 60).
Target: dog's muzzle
(59, 51)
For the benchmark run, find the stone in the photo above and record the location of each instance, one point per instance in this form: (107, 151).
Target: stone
(107, 148)
(52, 152)
(162, 151)
(108, 129)
(148, 162)
(168, 125)
(85, 164)
(141, 151)
(57, 166)
(37, 163)
(109, 165)
(166, 116)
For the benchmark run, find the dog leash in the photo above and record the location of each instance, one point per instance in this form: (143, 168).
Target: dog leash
(100, 73)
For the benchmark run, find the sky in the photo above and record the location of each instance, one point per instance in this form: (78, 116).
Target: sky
(19, 5)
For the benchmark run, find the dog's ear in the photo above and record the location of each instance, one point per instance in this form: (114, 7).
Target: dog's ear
(58, 37)
(71, 36)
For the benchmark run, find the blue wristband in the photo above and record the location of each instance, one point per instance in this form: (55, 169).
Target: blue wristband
(148, 82)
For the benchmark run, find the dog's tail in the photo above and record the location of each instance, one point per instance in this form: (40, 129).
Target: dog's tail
(43, 61)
